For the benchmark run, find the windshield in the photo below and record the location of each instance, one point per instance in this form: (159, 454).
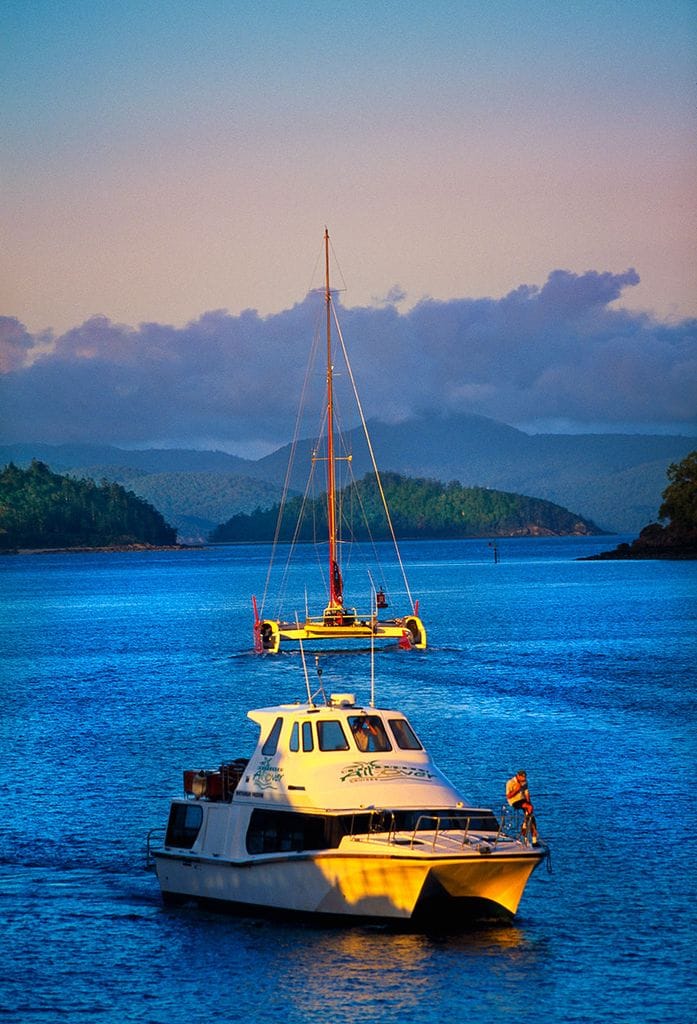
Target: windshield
(369, 733)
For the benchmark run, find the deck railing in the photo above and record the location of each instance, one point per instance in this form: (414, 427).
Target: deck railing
(153, 841)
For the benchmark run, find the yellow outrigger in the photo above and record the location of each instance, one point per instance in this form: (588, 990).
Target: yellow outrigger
(338, 622)
(346, 624)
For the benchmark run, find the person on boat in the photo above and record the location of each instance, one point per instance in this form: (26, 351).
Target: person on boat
(518, 796)
(365, 734)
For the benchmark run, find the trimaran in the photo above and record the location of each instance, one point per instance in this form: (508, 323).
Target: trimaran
(339, 622)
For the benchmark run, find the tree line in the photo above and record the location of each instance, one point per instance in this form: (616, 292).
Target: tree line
(676, 536)
(42, 509)
(418, 508)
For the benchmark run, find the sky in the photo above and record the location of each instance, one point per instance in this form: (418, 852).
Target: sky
(510, 189)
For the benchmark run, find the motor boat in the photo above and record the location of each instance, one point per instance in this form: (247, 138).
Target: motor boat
(339, 811)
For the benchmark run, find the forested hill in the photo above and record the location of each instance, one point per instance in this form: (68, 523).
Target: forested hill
(418, 508)
(676, 538)
(614, 480)
(41, 509)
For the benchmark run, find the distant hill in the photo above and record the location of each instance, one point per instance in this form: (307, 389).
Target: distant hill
(419, 508)
(614, 480)
(676, 538)
(64, 457)
(194, 502)
(195, 490)
(41, 509)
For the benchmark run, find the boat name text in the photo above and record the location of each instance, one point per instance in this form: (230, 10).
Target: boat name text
(267, 776)
(378, 771)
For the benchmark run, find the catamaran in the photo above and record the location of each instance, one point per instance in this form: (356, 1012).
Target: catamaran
(339, 622)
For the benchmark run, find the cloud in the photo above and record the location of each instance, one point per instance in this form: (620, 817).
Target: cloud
(15, 344)
(558, 353)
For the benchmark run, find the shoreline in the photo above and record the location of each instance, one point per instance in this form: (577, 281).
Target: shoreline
(667, 543)
(625, 553)
(104, 549)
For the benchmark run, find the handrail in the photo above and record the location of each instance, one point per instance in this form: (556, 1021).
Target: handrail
(149, 859)
(381, 814)
(439, 819)
(515, 819)
(438, 825)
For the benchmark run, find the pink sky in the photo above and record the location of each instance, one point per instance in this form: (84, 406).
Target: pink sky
(162, 159)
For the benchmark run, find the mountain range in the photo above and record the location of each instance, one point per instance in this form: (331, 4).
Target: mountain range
(615, 480)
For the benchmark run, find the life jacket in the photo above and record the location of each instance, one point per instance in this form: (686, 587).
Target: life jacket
(515, 792)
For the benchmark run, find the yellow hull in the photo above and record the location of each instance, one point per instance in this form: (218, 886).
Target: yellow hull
(408, 629)
(395, 888)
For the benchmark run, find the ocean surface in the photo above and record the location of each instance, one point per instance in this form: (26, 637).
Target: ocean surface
(119, 670)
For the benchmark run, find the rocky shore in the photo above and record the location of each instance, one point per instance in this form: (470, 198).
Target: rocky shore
(654, 541)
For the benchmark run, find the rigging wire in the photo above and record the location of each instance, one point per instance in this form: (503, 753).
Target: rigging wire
(350, 486)
(291, 462)
(372, 459)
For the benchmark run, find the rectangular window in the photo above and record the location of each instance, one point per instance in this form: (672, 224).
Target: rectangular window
(426, 820)
(290, 831)
(404, 734)
(369, 733)
(294, 738)
(308, 742)
(184, 825)
(287, 832)
(331, 736)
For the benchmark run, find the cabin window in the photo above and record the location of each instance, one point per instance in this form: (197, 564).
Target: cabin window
(404, 734)
(369, 733)
(294, 738)
(271, 745)
(288, 832)
(426, 820)
(184, 825)
(308, 742)
(291, 832)
(330, 736)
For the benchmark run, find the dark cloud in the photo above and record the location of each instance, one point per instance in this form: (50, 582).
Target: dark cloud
(15, 344)
(557, 353)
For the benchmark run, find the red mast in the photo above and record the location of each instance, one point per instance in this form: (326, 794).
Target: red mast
(336, 597)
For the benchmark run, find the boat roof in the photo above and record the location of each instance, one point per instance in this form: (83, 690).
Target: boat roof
(341, 755)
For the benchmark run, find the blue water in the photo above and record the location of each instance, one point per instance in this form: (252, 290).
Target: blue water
(120, 670)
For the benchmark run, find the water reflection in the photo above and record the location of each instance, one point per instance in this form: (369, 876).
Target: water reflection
(376, 971)
(339, 974)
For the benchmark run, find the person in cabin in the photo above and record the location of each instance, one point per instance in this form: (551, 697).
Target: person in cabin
(518, 796)
(364, 733)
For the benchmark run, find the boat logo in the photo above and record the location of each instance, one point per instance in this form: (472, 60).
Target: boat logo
(267, 776)
(378, 771)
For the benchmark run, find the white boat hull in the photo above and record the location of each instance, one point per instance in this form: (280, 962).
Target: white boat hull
(340, 811)
(355, 885)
